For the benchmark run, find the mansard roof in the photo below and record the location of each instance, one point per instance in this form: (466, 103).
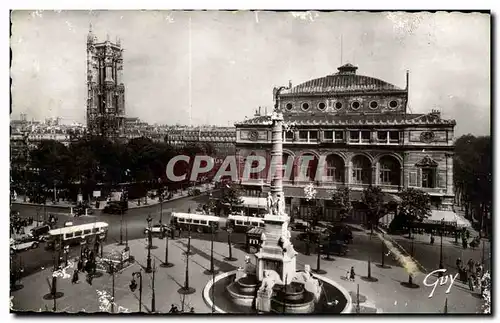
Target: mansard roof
(345, 81)
(321, 119)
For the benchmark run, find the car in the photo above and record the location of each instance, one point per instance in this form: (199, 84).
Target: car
(334, 247)
(24, 243)
(80, 210)
(115, 207)
(298, 227)
(40, 232)
(313, 236)
(341, 232)
(157, 228)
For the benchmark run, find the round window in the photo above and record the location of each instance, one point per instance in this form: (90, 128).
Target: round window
(355, 105)
(305, 106)
(373, 105)
(393, 104)
(338, 105)
(322, 106)
(289, 106)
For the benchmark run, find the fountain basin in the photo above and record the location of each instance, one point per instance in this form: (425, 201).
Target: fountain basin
(222, 295)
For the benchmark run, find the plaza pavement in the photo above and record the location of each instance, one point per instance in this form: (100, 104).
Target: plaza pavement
(386, 295)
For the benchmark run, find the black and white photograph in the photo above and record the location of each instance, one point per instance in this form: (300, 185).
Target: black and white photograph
(251, 162)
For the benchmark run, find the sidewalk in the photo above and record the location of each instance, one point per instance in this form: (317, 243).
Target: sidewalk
(386, 295)
(132, 204)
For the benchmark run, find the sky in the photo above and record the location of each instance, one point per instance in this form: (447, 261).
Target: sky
(234, 60)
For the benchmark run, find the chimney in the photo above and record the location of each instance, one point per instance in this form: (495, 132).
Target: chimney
(407, 79)
(259, 110)
(289, 84)
(266, 111)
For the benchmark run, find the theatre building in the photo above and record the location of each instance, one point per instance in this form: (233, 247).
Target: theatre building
(359, 130)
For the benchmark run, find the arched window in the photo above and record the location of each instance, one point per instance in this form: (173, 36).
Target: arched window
(389, 171)
(361, 170)
(335, 168)
(310, 170)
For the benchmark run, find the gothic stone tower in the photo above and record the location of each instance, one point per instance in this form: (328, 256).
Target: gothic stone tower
(105, 90)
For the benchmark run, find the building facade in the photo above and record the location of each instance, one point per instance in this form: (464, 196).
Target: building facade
(222, 139)
(357, 131)
(105, 89)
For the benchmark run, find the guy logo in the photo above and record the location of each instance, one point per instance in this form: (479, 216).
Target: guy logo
(441, 281)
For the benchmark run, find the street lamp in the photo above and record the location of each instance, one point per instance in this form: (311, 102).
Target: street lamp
(166, 264)
(121, 227)
(186, 290)
(148, 261)
(133, 286)
(318, 270)
(212, 270)
(441, 248)
(153, 298)
(410, 277)
(66, 252)
(230, 257)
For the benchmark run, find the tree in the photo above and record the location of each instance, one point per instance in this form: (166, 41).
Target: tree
(231, 195)
(415, 206)
(342, 201)
(472, 178)
(373, 199)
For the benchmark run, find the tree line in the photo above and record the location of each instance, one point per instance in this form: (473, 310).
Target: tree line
(92, 161)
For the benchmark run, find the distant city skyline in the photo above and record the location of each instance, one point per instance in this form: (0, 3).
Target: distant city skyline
(238, 57)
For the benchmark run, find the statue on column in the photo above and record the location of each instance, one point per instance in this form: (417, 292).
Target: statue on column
(270, 204)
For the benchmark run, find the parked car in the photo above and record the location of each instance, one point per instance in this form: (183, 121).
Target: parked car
(314, 236)
(39, 233)
(341, 232)
(80, 210)
(335, 247)
(298, 226)
(24, 243)
(157, 228)
(115, 207)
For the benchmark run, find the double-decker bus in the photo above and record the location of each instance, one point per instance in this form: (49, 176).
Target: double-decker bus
(241, 223)
(197, 222)
(77, 233)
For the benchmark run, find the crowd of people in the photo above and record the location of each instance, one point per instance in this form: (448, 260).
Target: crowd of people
(470, 273)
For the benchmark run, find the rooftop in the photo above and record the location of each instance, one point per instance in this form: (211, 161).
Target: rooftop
(345, 81)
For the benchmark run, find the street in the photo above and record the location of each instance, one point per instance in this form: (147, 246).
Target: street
(134, 220)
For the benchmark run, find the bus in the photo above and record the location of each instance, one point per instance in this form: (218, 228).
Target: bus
(197, 222)
(241, 223)
(76, 234)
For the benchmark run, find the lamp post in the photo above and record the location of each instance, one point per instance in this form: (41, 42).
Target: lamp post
(318, 269)
(441, 249)
(160, 198)
(112, 272)
(410, 277)
(153, 298)
(148, 261)
(482, 255)
(212, 270)
(121, 227)
(66, 252)
(133, 286)
(230, 257)
(187, 289)
(166, 264)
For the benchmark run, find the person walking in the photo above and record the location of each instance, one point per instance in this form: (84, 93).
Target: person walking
(172, 308)
(75, 279)
(352, 275)
(471, 283)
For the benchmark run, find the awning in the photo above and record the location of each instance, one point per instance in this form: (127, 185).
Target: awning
(326, 194)
(447, 216)
(254, 202)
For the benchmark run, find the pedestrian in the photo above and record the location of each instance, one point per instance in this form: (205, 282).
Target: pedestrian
(192, 310)
(352, 274)
(75, 277)
(432, 239)
(471, 283)
(347, 274)
(172, 308)
(459, 263)
(176, 309)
